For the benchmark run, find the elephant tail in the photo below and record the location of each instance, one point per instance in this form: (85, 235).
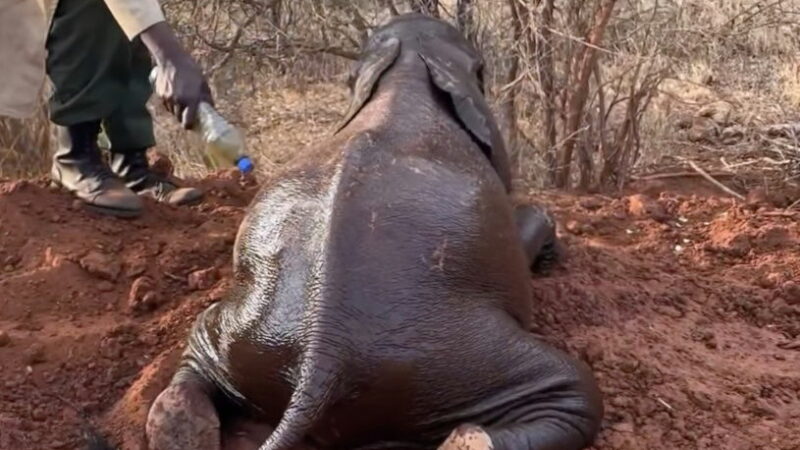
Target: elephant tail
(316, 390)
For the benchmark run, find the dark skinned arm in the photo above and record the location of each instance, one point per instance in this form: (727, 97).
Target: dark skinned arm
(179, 82)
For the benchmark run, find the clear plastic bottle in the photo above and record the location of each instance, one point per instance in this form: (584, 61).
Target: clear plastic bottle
(224, 143)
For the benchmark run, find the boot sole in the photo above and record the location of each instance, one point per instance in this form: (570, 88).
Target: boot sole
(121, 213)
(192, 202)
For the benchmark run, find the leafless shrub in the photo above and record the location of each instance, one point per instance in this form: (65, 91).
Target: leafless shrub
(587, 91)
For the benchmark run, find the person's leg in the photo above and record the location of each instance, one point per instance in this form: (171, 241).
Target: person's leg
(87, 62)
(129, 124)
(130, 130)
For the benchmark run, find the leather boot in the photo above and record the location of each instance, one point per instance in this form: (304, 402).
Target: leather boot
(133, 168)
(79, 167)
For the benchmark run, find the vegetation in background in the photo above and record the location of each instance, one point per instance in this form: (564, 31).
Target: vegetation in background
(588, 92)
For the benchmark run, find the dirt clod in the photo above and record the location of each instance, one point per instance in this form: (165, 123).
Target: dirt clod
(791, 292)
(575, 227)
(101, 265)
(35, 354)
(643, 207)
(201, 280)
(143, 295)
(5, 339)
(731, 243)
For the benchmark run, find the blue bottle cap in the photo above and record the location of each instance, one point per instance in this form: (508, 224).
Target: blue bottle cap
(244, 164)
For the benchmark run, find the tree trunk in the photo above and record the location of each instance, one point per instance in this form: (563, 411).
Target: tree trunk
(544, 52)
(465, 18)
(508, 108)
(578, 89)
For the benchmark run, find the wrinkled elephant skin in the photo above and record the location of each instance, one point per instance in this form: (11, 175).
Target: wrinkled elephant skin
(382, 287)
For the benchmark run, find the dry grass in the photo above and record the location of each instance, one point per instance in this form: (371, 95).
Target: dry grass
(25, 146)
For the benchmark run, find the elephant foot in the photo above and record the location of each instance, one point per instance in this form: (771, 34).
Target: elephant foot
(537, 231)
(468, 437)
(183, 417)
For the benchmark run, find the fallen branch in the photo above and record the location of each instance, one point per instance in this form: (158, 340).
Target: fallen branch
(794, 205)
(661, 176)
(784, 214)
(712, 180)
(175, 277)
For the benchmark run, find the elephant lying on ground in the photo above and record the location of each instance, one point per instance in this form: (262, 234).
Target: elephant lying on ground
(382, 287)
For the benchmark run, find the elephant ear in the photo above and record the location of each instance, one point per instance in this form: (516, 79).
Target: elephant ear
(471, 109)
(367, 74)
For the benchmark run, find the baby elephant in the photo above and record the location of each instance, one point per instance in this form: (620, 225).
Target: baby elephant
(382, 285)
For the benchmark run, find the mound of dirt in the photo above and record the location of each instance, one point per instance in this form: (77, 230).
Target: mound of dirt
(88, 303)
(686, 307)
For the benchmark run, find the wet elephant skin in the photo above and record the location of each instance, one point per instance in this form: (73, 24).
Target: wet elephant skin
(382, 289)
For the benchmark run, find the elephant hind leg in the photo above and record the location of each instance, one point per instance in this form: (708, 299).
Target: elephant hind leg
(553, 404)
(552, 428)
(537, 230)
(183, 416)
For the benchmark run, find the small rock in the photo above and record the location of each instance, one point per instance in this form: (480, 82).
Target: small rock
(791, 292)
(773, 238)
(574, 227)
(643, 207)
(201, 280)
(593, 353)
(39, 415)
(624, 427)
(769, 280)
(591, 203)
(105, 286)
(101, 266)
(5, 339)
(53, 259)
(35, 354)
(629, 365)
(731, 243)
(143, 295)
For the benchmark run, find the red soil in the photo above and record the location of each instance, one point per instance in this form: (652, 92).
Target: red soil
(686, 306)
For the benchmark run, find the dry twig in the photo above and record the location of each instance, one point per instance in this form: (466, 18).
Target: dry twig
(712, 180)
(661, 176)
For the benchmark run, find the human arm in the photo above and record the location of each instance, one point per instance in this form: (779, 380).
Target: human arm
(180, 82)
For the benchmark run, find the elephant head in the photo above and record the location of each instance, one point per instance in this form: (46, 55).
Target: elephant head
(454, 67)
